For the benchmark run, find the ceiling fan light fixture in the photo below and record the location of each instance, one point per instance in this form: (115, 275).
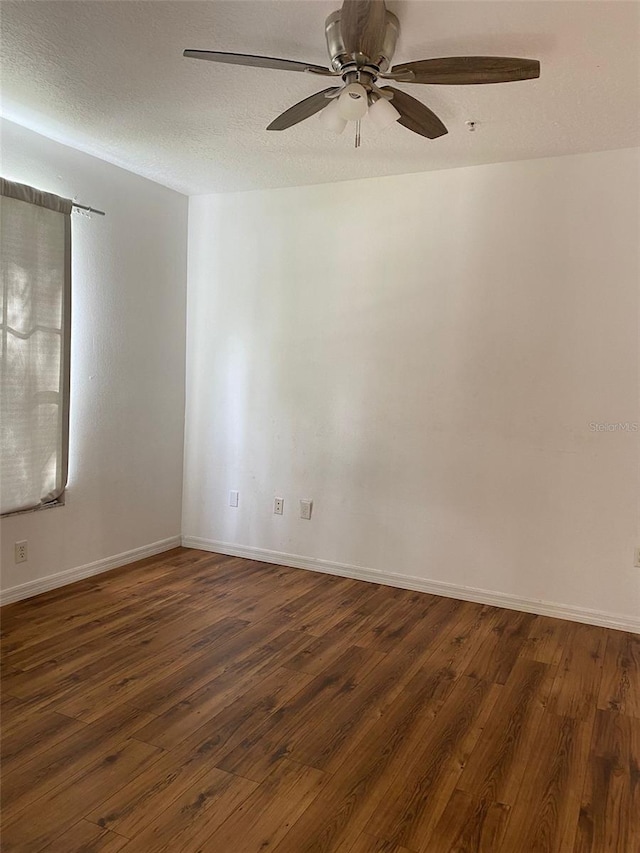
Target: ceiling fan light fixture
(331, 119)
(383, 114)
(352, 102)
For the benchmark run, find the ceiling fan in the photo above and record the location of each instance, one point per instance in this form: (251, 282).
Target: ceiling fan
(361, 40)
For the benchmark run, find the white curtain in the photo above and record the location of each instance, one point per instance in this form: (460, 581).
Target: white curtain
(35, 241)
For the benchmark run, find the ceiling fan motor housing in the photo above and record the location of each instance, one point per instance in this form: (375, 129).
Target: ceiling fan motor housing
(340, 59)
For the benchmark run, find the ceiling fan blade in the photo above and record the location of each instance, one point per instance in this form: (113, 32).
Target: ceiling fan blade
(256, 61)
(303, 109)
(463, 70)
(363, 25)
(415, 116)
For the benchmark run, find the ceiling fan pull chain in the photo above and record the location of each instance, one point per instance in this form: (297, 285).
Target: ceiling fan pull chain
(357, 142)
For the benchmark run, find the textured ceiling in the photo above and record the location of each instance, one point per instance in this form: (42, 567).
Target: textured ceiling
(109, 78)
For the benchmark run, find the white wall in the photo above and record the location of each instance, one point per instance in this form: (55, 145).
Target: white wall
(423, 356)
(127, 378)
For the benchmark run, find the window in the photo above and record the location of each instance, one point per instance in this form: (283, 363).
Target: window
(35, 242)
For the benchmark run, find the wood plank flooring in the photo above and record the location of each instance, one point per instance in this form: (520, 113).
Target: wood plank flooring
(195, 702)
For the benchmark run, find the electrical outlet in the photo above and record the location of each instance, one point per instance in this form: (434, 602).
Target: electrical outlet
(305, 509)
(20, 551)
(233, 498)
(278, 506)
(636, 561)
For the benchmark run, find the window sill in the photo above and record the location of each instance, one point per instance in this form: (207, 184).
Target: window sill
(50, 505)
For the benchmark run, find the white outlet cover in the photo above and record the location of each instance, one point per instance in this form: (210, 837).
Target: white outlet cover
(20, 551)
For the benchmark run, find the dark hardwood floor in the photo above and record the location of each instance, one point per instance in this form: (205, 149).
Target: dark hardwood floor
(195, 702)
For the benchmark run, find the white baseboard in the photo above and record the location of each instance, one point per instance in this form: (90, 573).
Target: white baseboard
(466, 593)
(26, 590)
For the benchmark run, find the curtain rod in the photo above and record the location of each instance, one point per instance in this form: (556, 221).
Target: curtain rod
(90, 209)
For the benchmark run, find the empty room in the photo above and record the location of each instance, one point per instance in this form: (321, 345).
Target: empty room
(320, 426)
